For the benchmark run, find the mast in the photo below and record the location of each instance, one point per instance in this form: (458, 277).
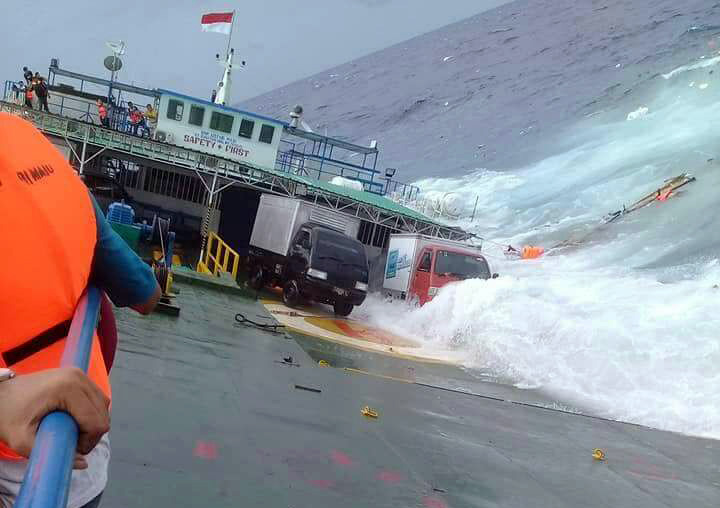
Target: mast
(225, 85)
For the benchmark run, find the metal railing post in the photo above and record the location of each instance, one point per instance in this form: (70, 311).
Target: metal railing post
(47, 478)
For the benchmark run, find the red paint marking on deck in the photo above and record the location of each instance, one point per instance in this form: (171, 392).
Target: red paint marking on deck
(340, 458)
(390, 477)
(434, 502)
(323, 484)
(206, 450)
(349, 331)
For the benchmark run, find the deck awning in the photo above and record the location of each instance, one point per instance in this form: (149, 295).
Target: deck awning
(351, 147)
(104, 82)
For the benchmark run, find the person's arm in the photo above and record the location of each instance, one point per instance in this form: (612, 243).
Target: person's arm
(26, 399)
(118, 271)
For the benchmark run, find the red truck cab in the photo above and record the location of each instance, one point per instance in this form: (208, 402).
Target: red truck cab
(438, 266)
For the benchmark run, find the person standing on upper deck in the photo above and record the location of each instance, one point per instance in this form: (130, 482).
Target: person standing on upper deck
(41, 90)
(29, 94)
(28, 75)
(151, 117)
(136, 118)
(103, 114)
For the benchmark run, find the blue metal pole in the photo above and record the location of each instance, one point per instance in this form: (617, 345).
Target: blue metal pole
(47, 479)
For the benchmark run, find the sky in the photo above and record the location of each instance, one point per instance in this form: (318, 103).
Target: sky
(281, 41)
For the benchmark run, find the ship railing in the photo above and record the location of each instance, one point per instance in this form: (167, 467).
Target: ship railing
(12, 94)
(219, 257)
(79, 131)
(297, 162)
(47, 478)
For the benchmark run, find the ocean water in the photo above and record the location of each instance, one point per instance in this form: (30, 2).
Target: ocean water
(524, 111)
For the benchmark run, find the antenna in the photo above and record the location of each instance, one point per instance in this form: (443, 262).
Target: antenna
(118, 48)
(114, 63)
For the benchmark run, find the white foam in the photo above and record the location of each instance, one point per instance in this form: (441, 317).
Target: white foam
(582, 336)
(638, 113)
(626, 324)
(709, 62)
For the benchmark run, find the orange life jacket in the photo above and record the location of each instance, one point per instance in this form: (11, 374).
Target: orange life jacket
(531, 252)
(135, 116)
(49, 228)
(29, 93)
(102, 111)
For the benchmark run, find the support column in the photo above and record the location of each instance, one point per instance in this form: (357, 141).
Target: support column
(208, 215)
(84, 149)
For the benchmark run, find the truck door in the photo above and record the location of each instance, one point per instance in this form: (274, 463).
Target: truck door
(421, 278)
(299, 255)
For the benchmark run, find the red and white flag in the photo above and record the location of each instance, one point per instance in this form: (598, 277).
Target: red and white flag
(220, 22)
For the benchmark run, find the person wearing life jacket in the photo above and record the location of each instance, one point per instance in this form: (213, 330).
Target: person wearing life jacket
(51, 253)
(103, 113)
(136, 118)
(29, 94)
(527, 252)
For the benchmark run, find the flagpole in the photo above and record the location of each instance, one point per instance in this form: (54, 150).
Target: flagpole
(232, 25)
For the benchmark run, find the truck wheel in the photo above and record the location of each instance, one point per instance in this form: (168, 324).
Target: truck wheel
(257, 278)
(291, 294)
(342, 308)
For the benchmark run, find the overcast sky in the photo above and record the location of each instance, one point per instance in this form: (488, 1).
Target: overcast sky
(282, 41)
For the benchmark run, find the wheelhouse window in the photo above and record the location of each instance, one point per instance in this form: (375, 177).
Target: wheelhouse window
(197, 115)
(175, 110)
(221, 122)
(266, 134)
(246, 128)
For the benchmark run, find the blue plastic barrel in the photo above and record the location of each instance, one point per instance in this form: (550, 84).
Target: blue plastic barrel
(120, 212)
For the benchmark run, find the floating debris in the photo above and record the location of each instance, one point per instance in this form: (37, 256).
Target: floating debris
(369, 412)
(308, 389)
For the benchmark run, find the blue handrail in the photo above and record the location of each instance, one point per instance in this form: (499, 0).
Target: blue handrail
(47, 479)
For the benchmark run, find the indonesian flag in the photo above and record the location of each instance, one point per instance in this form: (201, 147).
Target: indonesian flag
(220, 22)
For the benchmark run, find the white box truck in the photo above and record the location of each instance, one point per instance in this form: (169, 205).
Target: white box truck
(418, 266)
(309, 251)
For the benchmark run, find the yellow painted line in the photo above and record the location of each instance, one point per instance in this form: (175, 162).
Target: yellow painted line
(383, 376)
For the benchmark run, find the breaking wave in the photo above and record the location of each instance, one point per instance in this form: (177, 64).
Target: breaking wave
(624, 322)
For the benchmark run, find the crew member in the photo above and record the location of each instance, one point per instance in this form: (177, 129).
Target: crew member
(53, 252)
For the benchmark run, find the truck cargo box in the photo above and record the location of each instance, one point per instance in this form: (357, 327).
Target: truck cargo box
(278, 219)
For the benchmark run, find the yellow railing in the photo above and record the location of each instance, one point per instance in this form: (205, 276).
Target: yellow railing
(219, 257)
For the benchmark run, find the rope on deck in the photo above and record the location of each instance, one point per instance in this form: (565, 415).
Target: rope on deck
(268, 327)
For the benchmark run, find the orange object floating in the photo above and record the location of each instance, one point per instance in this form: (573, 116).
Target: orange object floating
(531, 252)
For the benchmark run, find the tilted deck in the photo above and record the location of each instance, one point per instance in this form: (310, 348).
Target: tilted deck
(206, 415)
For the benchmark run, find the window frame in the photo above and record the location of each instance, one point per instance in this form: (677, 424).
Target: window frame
(263, 128)
(202, 116)
(245, 121)
(428, 254)
(175, 102)
(219, 114)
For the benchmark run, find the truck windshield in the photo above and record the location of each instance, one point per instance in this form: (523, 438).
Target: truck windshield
(464, 266)
(341, 248)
